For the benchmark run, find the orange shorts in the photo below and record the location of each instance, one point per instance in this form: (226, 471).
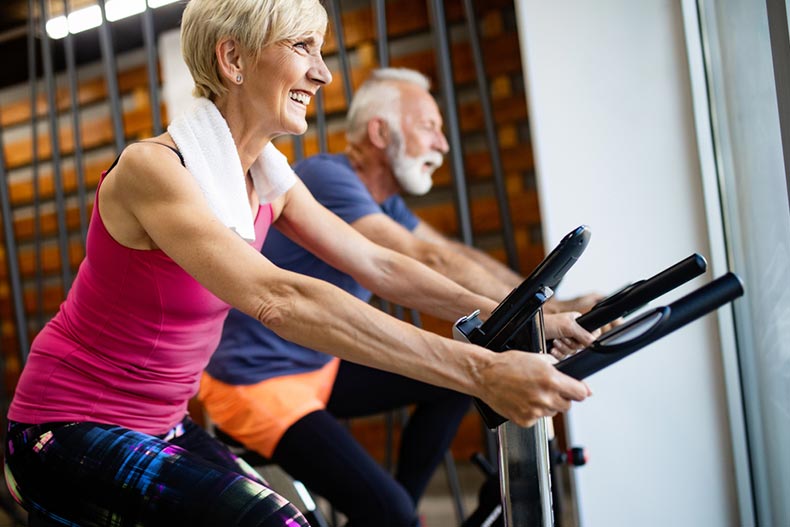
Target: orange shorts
(258, 415)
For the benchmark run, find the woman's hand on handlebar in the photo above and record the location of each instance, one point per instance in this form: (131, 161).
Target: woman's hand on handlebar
(526, 386)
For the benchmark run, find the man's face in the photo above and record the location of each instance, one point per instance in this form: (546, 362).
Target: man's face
(417, 149)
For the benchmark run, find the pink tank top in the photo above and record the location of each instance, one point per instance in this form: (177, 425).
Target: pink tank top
(128, 344)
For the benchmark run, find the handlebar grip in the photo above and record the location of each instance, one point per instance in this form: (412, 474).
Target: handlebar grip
(640, 293)
(653, 325)
(702, 301)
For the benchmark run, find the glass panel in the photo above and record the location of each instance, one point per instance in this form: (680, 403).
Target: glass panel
(748, 145)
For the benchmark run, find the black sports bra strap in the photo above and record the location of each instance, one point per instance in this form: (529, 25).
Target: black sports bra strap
(176, 150)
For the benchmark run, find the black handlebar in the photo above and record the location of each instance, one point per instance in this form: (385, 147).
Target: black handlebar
(510, 320)
(638, 294)
(653, 325)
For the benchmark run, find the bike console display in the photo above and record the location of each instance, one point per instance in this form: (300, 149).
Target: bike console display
(522, 304)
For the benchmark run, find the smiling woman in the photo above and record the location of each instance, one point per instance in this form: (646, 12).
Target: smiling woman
(106, 385)
(98, 428)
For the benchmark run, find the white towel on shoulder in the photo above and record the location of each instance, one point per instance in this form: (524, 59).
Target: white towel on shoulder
(204, 139)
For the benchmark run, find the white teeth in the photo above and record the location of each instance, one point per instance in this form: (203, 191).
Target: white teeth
(300, 97)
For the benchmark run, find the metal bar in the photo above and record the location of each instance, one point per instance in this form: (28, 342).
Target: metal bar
(524, 462)
(449, 461)
(149, 39)
(298, 143)
(699, 39)
(389, 417)
(320, 121)
(491, 136)
(777, 28)
(79, 169)
(521, 451)
(436, 12)
(60, 202)
(111, 74)
(439, 24)
(380, 11)
(399, 312)
(415, 318)
(33, 76)
(334, 12)
(455, 486)
(6, 503)
(12, 259)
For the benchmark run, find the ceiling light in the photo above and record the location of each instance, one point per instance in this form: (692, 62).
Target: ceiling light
(84, 19)
(57, 27)
(90, 17)
(118, 9)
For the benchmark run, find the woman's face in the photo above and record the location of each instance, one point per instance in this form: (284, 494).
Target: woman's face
(284, 80)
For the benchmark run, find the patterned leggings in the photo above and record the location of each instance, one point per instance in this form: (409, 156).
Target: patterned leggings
(89, 474)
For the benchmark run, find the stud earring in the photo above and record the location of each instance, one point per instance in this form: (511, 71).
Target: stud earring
(238, 78)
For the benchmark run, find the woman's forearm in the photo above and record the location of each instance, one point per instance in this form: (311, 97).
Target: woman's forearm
(313, 313)
(520, 386)
(320, 316)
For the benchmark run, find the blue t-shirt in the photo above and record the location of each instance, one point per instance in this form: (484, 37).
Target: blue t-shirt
(248, 352)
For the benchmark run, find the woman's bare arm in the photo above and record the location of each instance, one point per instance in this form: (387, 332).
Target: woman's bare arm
(158, 195)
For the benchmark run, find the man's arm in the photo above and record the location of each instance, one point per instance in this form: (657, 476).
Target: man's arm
(580, 304)
(443, 258)
(388, 273)
(440, 257)
(494, 267)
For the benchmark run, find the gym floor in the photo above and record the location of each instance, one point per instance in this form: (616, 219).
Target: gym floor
(437, 509)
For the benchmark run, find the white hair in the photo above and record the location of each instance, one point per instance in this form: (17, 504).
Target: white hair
(379, 97)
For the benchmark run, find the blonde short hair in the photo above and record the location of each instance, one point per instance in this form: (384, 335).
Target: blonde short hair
(254, 24)
(379, 96)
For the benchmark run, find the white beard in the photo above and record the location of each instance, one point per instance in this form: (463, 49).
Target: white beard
(410, 172)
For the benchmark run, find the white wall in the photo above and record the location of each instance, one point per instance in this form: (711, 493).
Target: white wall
(177, 82)
(613, 132)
